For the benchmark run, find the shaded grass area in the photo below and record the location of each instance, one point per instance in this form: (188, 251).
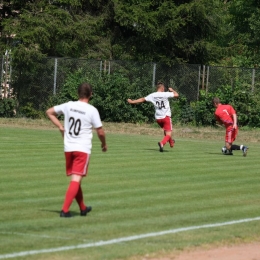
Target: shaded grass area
(133, 190)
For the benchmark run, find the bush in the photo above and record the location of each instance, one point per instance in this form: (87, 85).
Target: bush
(110, 94)
(204, 110)
(7, 107)
(182, 112)
(29, 111)
(110, 99)
(241, 97)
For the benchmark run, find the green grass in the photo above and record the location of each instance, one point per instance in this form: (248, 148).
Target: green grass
(133, 190)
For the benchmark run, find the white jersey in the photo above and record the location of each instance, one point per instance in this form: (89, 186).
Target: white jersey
(161, 103)
(79, 119)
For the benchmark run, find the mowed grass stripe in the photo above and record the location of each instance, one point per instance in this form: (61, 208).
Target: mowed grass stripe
(133, 189)
(124, 239)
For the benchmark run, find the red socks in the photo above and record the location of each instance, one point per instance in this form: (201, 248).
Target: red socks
(165, 139)
(79, 199)
(74, 192)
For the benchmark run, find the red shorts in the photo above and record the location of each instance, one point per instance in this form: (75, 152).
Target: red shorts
(77, 163)
(231, 135)
(165, 123)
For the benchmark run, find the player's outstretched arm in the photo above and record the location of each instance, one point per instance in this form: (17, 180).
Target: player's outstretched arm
(136, 101)
(102, 138)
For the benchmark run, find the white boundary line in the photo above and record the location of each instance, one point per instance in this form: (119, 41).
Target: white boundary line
(125, 239)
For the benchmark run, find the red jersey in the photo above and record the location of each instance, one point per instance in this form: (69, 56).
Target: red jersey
(224, 113)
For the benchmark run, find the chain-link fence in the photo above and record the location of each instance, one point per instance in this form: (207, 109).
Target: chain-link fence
(34, 85)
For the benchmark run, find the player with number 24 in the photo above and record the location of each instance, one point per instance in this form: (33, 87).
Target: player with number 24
(160, 100)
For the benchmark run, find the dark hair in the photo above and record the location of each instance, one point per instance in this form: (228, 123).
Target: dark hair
(84, 90)
(216, 100)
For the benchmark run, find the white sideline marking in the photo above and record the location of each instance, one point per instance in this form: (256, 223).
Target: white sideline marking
(125, 239)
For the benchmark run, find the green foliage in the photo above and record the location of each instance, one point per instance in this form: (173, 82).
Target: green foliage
(241, 97)
(110, 94)
(198, 32)
(182, 112)
(112, 29)
(204, 31)
(29, 111)
(7, 107)
(244, 100)
(185, 29)
(187, 115)
(68, 91)
(27, 87)
(204, 111)
(225, 94)
(243, 21)
(61, 28)
(247, 106)
(111, 91)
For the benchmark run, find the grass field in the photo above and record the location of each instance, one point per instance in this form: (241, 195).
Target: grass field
(135, 191)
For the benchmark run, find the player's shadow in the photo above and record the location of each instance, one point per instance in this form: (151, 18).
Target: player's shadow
(164, 151)
(73, 213)
(220, 154)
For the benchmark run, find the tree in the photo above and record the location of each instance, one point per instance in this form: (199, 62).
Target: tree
(61, 28)
(167, 31)
(245, 34)
(163, 30)
(33, 30)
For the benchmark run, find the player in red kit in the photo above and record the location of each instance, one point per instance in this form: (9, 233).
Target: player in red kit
(226, 116)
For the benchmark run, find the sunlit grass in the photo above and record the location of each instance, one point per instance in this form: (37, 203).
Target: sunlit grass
(133, 189)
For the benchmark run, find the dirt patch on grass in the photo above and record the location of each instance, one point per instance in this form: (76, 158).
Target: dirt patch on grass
(249, 251)
(236, 252)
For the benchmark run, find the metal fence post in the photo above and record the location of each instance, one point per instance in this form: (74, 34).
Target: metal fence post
(55, 76)
(10, 76)
(203, 77)
(253, 80)
(198, 93)
(7, 73)
(2, 70)
(105, 66)
(100, 68)
(207, 81)
(154, 73)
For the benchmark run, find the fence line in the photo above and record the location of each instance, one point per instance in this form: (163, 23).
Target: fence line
(48, 76)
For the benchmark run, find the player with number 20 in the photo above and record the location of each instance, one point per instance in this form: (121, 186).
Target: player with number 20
(79, 119)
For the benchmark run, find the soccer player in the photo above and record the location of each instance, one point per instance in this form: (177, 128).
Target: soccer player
(79, 119)
(226, 116)
(160, 100)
